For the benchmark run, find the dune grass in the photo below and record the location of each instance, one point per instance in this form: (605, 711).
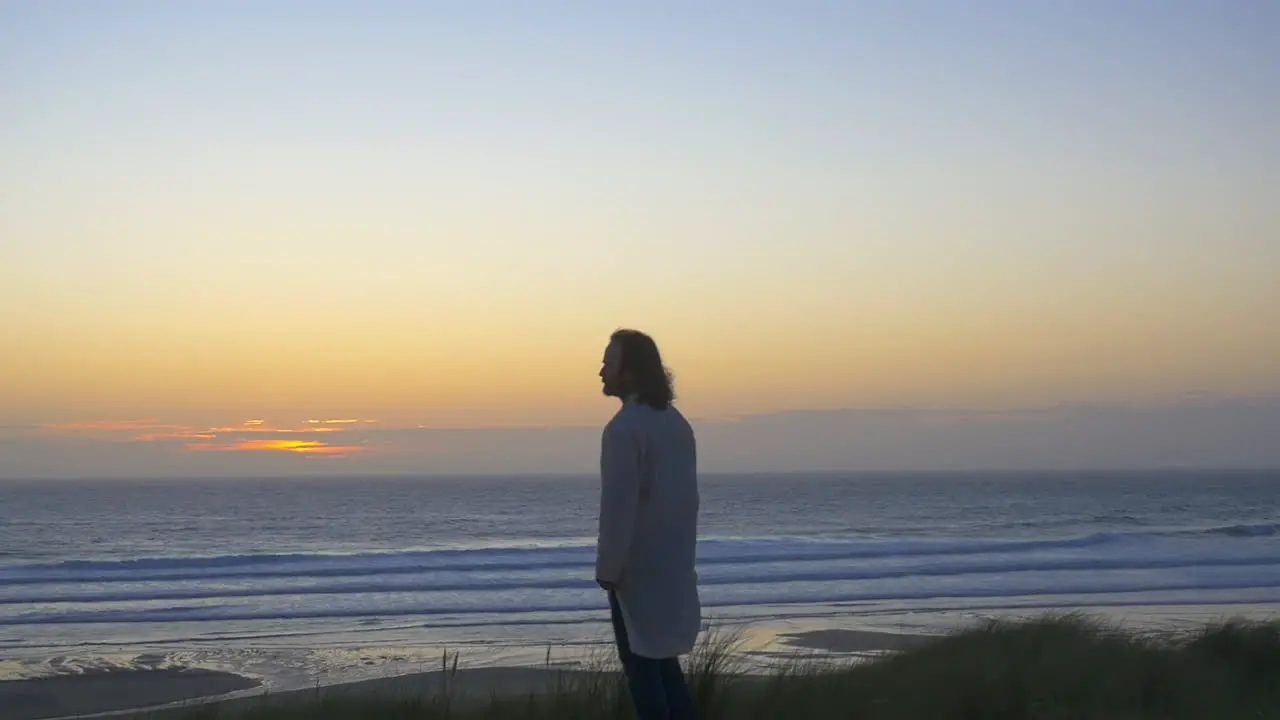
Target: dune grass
(1051, 668)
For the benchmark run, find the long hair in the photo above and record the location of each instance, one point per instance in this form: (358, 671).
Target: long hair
(641, 366)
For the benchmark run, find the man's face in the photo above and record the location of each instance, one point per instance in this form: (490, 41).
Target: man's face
(610, 375)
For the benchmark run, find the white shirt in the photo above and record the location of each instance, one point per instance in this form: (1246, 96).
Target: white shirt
(649, 525)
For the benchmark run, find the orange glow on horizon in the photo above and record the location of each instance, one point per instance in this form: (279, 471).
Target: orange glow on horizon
(305, 447)
(218, 437)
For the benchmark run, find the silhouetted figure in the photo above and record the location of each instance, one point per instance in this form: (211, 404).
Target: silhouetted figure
(648, 527)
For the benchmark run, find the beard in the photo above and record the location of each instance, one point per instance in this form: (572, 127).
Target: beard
(612, 389)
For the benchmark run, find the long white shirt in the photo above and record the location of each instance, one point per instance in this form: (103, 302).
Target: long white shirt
(649, 525)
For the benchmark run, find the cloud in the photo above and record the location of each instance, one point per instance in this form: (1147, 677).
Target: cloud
(1236, 433)
(1226, 433)
(253, 435)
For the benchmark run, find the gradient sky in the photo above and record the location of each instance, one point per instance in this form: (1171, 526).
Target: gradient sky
(433, 214)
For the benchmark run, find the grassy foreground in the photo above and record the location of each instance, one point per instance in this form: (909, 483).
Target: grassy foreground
(1048, 669)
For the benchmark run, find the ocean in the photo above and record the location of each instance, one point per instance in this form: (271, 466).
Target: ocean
(313, 580)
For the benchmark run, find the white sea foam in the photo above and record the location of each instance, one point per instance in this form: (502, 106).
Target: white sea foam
(495, 581)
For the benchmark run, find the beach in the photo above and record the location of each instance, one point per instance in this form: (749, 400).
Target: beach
(287, 585)
(1012, 668)
(127, 694)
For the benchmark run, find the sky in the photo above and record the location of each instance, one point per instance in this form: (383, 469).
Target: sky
(224, 225)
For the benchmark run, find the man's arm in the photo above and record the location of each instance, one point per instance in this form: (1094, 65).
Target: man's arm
(620, 458)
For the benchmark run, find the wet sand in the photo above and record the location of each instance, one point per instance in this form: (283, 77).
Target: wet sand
(853, 641)
(466, 686)
(124, 694)
(104, 691)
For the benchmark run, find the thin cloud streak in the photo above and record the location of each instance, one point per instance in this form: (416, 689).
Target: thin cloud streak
(182, 435)
(266, 429)
(302, 447)
(221, 438)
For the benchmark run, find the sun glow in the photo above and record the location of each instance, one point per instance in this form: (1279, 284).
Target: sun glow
(247, 437)
(305, 447)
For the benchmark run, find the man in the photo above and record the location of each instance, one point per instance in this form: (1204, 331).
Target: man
(648, 527)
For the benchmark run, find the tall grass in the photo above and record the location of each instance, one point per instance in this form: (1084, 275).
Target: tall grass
(1050, 668)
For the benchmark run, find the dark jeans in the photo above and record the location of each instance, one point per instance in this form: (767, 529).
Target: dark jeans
(657, 686)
